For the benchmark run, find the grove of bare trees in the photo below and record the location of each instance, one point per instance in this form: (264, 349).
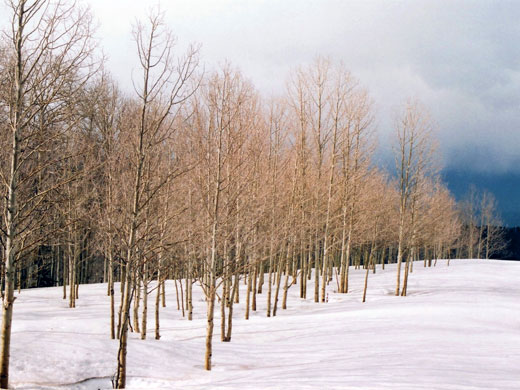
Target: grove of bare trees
(197, 178)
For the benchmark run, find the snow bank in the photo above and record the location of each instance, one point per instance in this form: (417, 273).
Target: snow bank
(458, 328)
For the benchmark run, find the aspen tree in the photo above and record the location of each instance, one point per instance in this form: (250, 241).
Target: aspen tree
(161, 269)
(301, 169)
(491, 239)
(161, 92)
(412, 155)
(221, 112)
(318, 117)
(49, 51)
(469, 212)
(306, 91)
(336, 99)
(377, 213)
(355, 155)
(441, 223)
(276, 127)
(485, 237)
(102, 105)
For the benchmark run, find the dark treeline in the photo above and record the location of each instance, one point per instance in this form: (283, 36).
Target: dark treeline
(197, 178)
(511, 249)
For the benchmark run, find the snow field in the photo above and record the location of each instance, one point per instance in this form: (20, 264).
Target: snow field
(458, 328)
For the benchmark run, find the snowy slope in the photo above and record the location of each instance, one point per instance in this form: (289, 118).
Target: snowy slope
(459, 328)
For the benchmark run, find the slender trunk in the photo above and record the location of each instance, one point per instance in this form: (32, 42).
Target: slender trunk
(348, 253)
(72, 274)
(253, 299)
(236, 295)
(278, 282)
(120, 314)
(260, 275)
(157, 306)
(212, 266)
(187, 303)
(400, 249)
(182, 299)
(366, 284)
(316, 270)
(248, 291)
(158, 296)
(7, 307)
(76, 288)
(144, 320)
(122, 278)
(137, 302)
(111, 287)
(120, 379)
(189, 294)
(480, 238)
(369, 260)
(230, 312)
(342, 259)
(226, 285)
(286, 281)
(163, 293)
(19, 277)
(211, 300)
(209, 330)
(223, 302)
(177, 294)
(302, 273)
(305, 272)
(64, 273)
(406, 272)
(326, 244)
(270, 286)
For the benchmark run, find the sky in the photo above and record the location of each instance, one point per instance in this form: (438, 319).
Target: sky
(460, 59)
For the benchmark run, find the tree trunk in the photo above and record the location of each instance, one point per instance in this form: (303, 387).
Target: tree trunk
(317, 253)
(157, 306)
(248, 291)
(144, 321)
(223, 302)
(120, 379)
(400, 255)
(209, 329)
(260, 275)
(189, 294)
(270, 285)
(72, 274)
(281, 264)
(137, 301)
(253, 299)
(111, 289)
(230, 312)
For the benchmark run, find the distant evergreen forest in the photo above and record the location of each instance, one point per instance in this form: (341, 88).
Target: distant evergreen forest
(512, 249)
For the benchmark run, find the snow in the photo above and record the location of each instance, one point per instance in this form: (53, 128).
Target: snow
(458, 328)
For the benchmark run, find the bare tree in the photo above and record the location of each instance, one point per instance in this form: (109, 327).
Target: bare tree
(413, 160)
(49, 57)
(224, 114)
(482, 233)
(161, 92)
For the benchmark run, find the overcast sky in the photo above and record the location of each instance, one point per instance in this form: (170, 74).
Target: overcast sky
(460, 58)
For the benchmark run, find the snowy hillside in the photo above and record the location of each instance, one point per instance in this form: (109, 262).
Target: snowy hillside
(459, 328)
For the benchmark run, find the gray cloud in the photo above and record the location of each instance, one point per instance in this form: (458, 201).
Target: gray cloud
(460, 58)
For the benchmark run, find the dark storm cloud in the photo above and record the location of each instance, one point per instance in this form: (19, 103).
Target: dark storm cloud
(469, 59)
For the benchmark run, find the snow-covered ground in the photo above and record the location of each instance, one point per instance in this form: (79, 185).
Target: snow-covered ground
(458, 328)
